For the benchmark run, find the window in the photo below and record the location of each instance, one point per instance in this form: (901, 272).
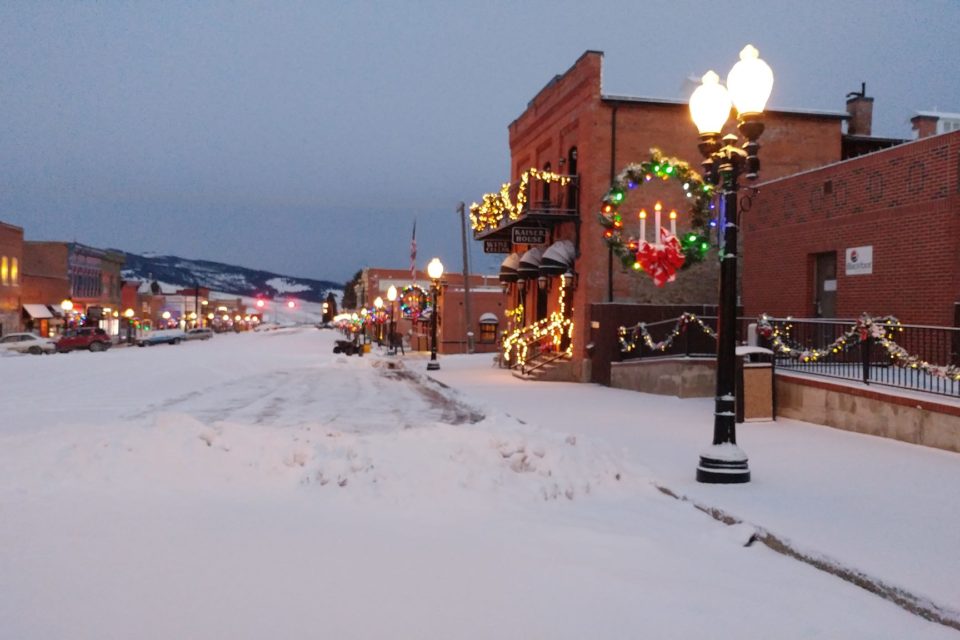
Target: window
(14, 272)
(4, 271)
(546, 186)
(488, 328)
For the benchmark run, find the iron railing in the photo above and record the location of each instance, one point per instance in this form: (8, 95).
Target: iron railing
(915, 357)
(875, 351)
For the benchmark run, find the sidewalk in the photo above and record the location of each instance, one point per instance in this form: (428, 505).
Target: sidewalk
(881, 508)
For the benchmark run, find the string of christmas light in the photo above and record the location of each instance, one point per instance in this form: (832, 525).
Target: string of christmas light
(694, 245)
(630, 336)
(489, 213)
(556, 326)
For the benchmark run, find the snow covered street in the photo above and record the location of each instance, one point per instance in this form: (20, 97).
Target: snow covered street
(259, 486)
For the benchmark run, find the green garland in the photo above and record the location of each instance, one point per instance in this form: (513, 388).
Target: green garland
(699, 194)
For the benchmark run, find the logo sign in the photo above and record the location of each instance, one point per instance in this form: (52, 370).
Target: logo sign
(529, 235)
(860, 261)
(497, 246)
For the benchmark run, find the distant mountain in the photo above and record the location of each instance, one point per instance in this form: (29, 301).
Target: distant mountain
(225, 278)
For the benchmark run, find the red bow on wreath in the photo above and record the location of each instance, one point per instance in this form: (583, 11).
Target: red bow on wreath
(661, 260)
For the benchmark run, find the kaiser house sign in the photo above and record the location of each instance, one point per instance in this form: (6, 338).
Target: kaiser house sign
(860, 261)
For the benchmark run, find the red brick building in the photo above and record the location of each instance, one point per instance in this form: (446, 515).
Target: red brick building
(92, 276)
(11, 259)
(572, 128)
(878, 234)
(486, 308)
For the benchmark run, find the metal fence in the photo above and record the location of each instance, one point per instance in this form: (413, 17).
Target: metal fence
(913, 357)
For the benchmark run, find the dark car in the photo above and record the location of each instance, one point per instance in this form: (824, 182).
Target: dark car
(92, 338)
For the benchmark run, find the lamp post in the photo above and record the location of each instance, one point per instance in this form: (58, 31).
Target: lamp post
(435, 271)
(67, 306)
(392, 297)
(128, 314)
(378, 319)
(748, 87)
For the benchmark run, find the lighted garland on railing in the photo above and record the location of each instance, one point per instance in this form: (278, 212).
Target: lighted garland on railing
(489, 213)
(699, 194)
(556, 326)
(880, 330)
(630, 336)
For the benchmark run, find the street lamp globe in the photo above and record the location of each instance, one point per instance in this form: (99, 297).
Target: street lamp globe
(435, 269)
(710, 105)
(392, 293)
(378, 303)
(128, 313)
(67, 304)
(750, 82)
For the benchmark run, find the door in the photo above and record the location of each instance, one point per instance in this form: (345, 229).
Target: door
(825, 285)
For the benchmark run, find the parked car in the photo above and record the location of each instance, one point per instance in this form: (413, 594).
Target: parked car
(161, 336)
(27, 343)
(199, 334)
(92, 338)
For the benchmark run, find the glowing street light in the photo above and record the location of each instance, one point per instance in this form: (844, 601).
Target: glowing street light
(435, 271)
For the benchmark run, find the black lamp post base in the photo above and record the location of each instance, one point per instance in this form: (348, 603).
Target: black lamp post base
(723, 464)
(433, 365)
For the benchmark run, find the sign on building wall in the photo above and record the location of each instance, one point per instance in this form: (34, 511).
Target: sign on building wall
(529, 235)
(497, 246)
(860, 261)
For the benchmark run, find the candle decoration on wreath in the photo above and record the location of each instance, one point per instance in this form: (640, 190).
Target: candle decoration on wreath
(666, 253)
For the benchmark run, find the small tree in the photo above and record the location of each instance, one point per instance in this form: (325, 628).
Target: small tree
(350, 291)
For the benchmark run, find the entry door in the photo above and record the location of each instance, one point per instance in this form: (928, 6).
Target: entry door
(825, 290)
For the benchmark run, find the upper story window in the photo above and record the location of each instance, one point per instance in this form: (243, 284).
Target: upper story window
(14, 272)
(4, 271)
(547, 168)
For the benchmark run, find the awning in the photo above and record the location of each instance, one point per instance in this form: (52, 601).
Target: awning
(37, 311)
(489, 318)
(558, 258)
(508, 268)
(530, 263)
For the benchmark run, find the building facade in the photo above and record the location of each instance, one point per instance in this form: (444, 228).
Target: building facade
(11, 288)
(877, 234)
(411, 313)
(565, 150)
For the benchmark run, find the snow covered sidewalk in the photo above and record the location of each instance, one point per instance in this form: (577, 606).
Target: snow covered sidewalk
(883, 508)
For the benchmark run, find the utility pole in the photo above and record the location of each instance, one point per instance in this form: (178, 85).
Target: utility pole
(466, 278)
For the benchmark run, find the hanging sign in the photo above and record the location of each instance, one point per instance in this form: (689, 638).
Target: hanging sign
(529, 235)
(497, 246)
(860, 261)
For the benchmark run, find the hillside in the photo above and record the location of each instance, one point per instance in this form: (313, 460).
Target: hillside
(225, 278)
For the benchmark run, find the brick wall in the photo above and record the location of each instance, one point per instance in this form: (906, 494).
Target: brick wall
(571, 112)
(903, 201)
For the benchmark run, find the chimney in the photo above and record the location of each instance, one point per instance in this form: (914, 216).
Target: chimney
(860, 108)
(924, 124)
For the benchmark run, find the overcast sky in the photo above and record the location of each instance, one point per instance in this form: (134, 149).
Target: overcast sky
(305, 137)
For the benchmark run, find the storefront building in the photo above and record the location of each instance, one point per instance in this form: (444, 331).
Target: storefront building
(565, 150)
(458, 331)
(11, 259)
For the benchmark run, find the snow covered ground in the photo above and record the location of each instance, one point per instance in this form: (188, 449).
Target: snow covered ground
(258, 486)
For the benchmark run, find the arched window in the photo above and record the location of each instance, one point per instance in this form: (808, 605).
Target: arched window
(4, 271)
(546, 187)
(14, 272)
(572, 191)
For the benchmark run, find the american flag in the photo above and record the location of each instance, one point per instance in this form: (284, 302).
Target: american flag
(413, 252)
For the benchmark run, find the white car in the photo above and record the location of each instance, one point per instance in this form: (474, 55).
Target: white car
(27, 343)
(199, 334)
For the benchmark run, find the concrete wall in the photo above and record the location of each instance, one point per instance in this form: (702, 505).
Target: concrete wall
(684, 378)
(916, 420)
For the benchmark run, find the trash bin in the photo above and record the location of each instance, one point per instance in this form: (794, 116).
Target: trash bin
(755, 384)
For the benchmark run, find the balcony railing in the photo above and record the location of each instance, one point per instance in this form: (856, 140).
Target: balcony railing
(535, 195)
